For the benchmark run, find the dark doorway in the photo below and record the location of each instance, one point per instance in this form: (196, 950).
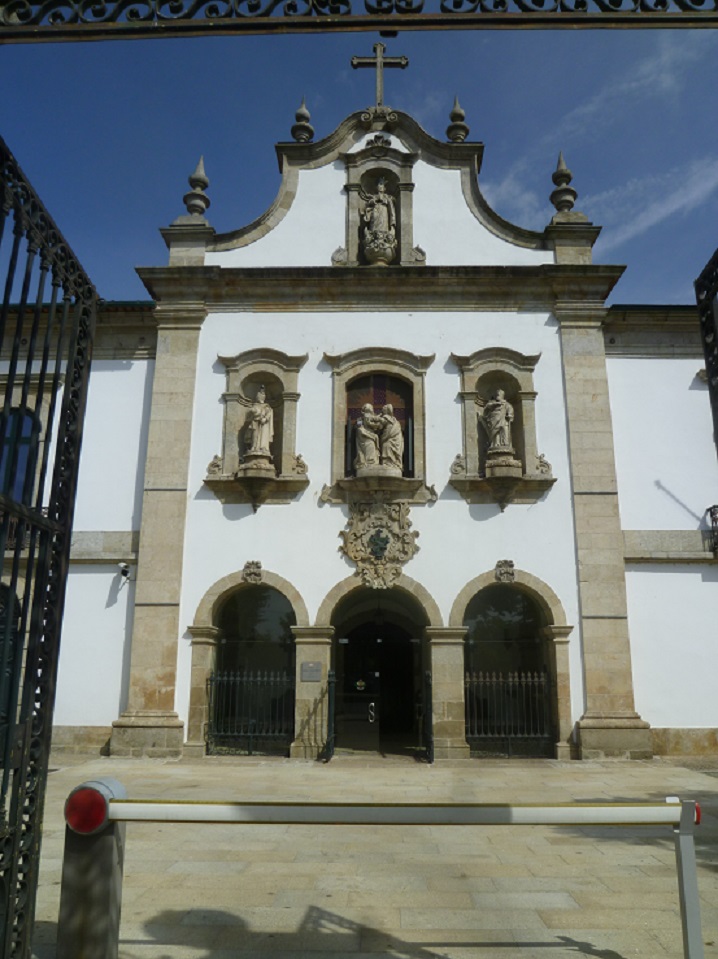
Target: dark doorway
(378, 663)
(508, 691)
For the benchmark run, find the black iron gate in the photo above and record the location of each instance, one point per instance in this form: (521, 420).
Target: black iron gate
(46, 330)
(251, 711)
(509, 713)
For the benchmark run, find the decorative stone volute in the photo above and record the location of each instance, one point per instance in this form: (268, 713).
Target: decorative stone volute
(302, 131)
(197, 201)
(457, 131)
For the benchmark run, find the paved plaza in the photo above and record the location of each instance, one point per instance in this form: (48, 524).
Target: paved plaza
(447, 892)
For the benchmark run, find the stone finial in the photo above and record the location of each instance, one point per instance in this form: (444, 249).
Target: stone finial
(302, 131)
(457, 131)
(197, 201)
(564, 196)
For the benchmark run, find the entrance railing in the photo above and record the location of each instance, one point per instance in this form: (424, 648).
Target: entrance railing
(510, 710)
(250, 712)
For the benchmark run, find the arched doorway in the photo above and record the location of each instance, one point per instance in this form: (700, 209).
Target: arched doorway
(379, 663)
(510, 703)
(251, 691)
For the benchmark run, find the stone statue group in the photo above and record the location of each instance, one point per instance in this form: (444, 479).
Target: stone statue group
(379, 440)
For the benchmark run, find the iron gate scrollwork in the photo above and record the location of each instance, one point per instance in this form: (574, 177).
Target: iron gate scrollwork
(706, 287)
(46, 332)
(52, 20)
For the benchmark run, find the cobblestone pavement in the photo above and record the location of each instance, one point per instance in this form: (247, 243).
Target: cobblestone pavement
(310, 892)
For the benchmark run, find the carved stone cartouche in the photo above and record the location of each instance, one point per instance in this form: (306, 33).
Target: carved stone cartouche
(378, 538)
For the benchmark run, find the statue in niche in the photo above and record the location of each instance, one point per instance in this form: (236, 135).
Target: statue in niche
(258, 433)
(391, 439)
(367, 438)
(496, 419)
(379, 440)
(379, 216)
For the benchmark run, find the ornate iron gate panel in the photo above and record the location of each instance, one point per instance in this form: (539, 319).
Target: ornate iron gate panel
(46, 329)
(250, 712)
(706, 287)
(33, 20)
(509, 713)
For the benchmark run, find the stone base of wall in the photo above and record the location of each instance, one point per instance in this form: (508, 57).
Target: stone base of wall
(81, 739)
(685, 742)
(154, 734)
(609, 738)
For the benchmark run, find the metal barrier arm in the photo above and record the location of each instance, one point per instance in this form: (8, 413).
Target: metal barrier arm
(399, 814)
(97, 810)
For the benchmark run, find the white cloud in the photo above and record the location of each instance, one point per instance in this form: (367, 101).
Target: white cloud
(641, 204)
(660, 73)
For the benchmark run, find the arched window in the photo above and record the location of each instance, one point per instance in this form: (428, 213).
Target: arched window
(19, 432)
(377, 390)
(252, 693)
(509, 704)
(256, 627)
(503, 631)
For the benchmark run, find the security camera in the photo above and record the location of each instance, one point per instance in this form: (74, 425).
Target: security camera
(124, 569)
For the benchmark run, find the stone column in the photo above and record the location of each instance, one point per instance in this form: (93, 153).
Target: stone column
(556, 638)
(313, 646)
(610, 726)
(446, 652)
(204, 660)
(150, 726)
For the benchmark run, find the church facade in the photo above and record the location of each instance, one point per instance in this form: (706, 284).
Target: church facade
(381, 469)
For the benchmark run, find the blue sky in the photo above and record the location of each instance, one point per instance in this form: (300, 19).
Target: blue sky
(108, 133)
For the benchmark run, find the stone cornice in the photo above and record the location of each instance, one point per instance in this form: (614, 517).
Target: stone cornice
(579, 290)
(657, 331)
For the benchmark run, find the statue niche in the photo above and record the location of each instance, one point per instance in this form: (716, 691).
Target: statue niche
(379, 223)
(258, 462)
(379, 442)
(499, 429)
(257, 435)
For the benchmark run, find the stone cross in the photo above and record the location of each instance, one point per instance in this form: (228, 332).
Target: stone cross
(380, 61)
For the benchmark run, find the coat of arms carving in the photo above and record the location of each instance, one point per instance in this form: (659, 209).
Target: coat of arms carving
(379, 539)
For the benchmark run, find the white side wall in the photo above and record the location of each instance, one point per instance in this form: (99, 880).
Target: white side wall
(94, 657)
(663, 435)
(300, 541)
(673, 643)
(114, 445)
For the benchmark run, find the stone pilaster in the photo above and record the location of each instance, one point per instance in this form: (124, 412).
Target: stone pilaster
(610, 725)
(204, 657)
(446, 651)
(557, 645)
(313, 649)
(150, 726)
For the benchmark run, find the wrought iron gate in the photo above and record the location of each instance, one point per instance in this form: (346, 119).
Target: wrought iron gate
(250, 712)
(46, 331)
(509, 713)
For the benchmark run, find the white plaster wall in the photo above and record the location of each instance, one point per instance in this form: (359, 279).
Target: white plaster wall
(670, 609)
(114, 445)
(300, 541)
(314, 227)
(665, 457)
(94, 654)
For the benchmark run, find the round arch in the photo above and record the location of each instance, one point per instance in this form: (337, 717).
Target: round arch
(541, 592)
(219, 591)
(404, 583)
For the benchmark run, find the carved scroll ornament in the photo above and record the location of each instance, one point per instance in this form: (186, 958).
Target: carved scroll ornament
(378, 538)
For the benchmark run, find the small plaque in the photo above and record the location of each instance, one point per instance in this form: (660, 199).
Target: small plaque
(311, 673)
